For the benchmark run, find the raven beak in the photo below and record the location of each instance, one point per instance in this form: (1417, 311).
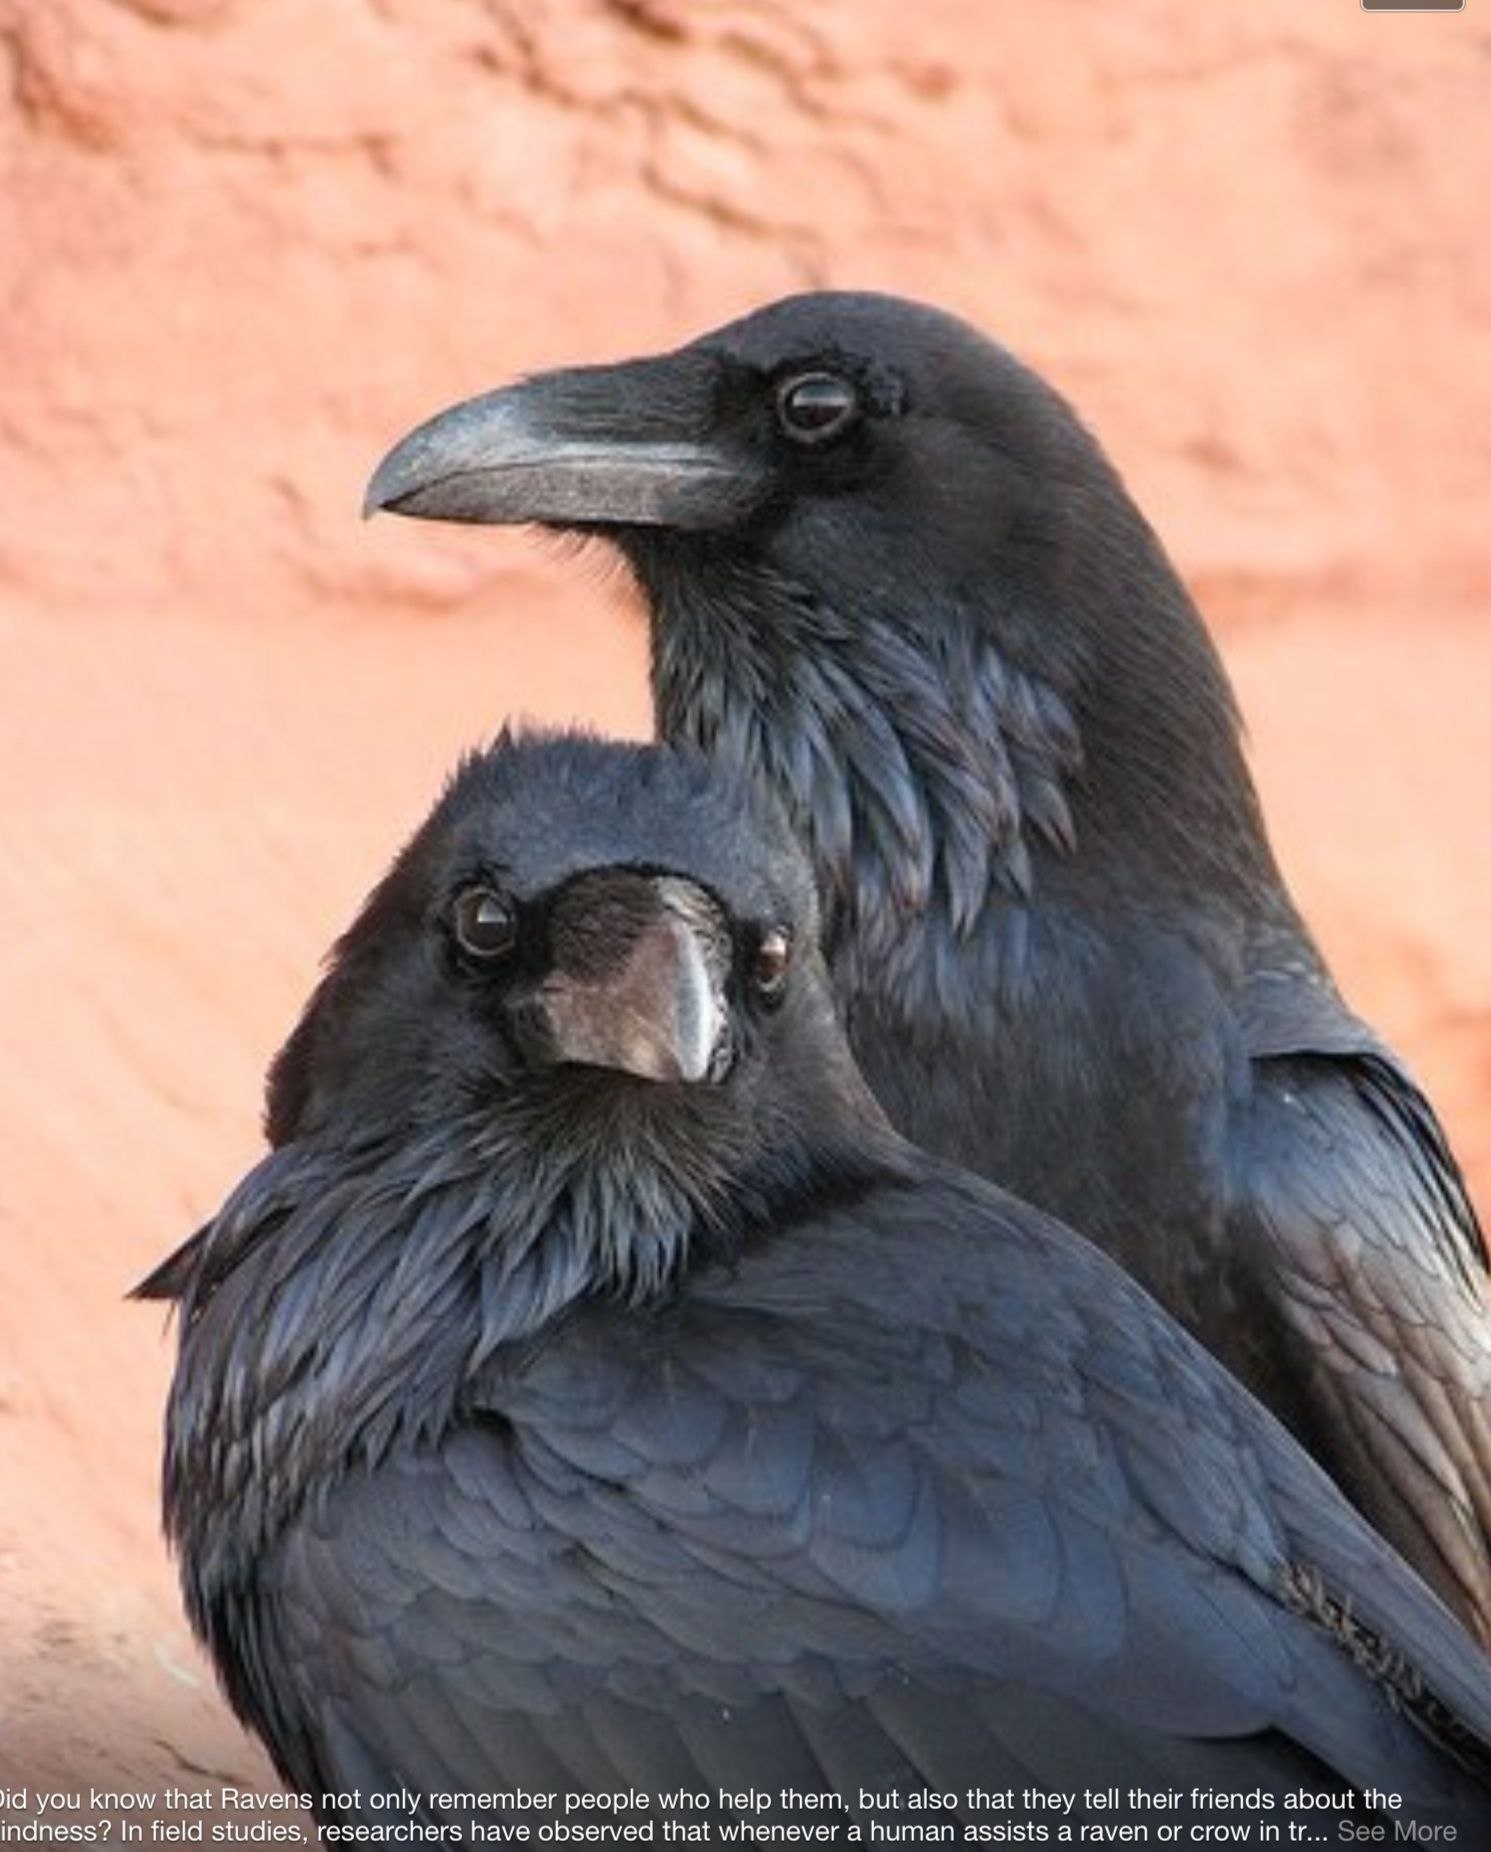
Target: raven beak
(628, 445)
(661, 1017)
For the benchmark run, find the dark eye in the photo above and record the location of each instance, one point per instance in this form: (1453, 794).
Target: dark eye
(772, 960)
(485, 923)
(814, 407)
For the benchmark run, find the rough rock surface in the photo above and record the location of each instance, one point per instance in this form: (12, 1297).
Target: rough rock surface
(243, 243)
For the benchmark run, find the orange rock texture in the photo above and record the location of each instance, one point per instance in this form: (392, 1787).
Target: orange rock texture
(245, 243)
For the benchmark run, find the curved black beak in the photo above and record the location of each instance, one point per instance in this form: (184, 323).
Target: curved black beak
(630, 445)
(656, 1007)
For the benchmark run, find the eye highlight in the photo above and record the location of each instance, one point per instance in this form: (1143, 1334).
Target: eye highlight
(485, 924)
(813, 408)
(771, 962)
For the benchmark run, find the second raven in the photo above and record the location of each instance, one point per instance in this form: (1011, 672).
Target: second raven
(590, 1394)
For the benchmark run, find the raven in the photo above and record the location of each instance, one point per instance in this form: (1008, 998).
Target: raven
(591, 1395)
(890, 572)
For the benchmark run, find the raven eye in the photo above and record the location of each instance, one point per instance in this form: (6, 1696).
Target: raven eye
(814, 407)
(486, 927)
(772, 960)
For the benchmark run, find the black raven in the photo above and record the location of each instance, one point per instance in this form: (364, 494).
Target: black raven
(591, 1394)
(888, 570)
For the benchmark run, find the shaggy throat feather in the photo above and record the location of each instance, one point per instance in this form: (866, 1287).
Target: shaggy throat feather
(920, 777)
(380, 1299)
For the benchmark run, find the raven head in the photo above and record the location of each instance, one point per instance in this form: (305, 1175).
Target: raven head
(603, 934)
(887, 568)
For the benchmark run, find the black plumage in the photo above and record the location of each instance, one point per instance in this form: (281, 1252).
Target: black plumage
(889, 572)
(591, 1393)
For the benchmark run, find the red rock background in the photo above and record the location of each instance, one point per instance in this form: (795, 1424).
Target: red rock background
(244, 243)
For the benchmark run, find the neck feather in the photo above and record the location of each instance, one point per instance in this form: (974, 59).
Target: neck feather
(925, 779)
(345, 1301)
(342, 1303)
